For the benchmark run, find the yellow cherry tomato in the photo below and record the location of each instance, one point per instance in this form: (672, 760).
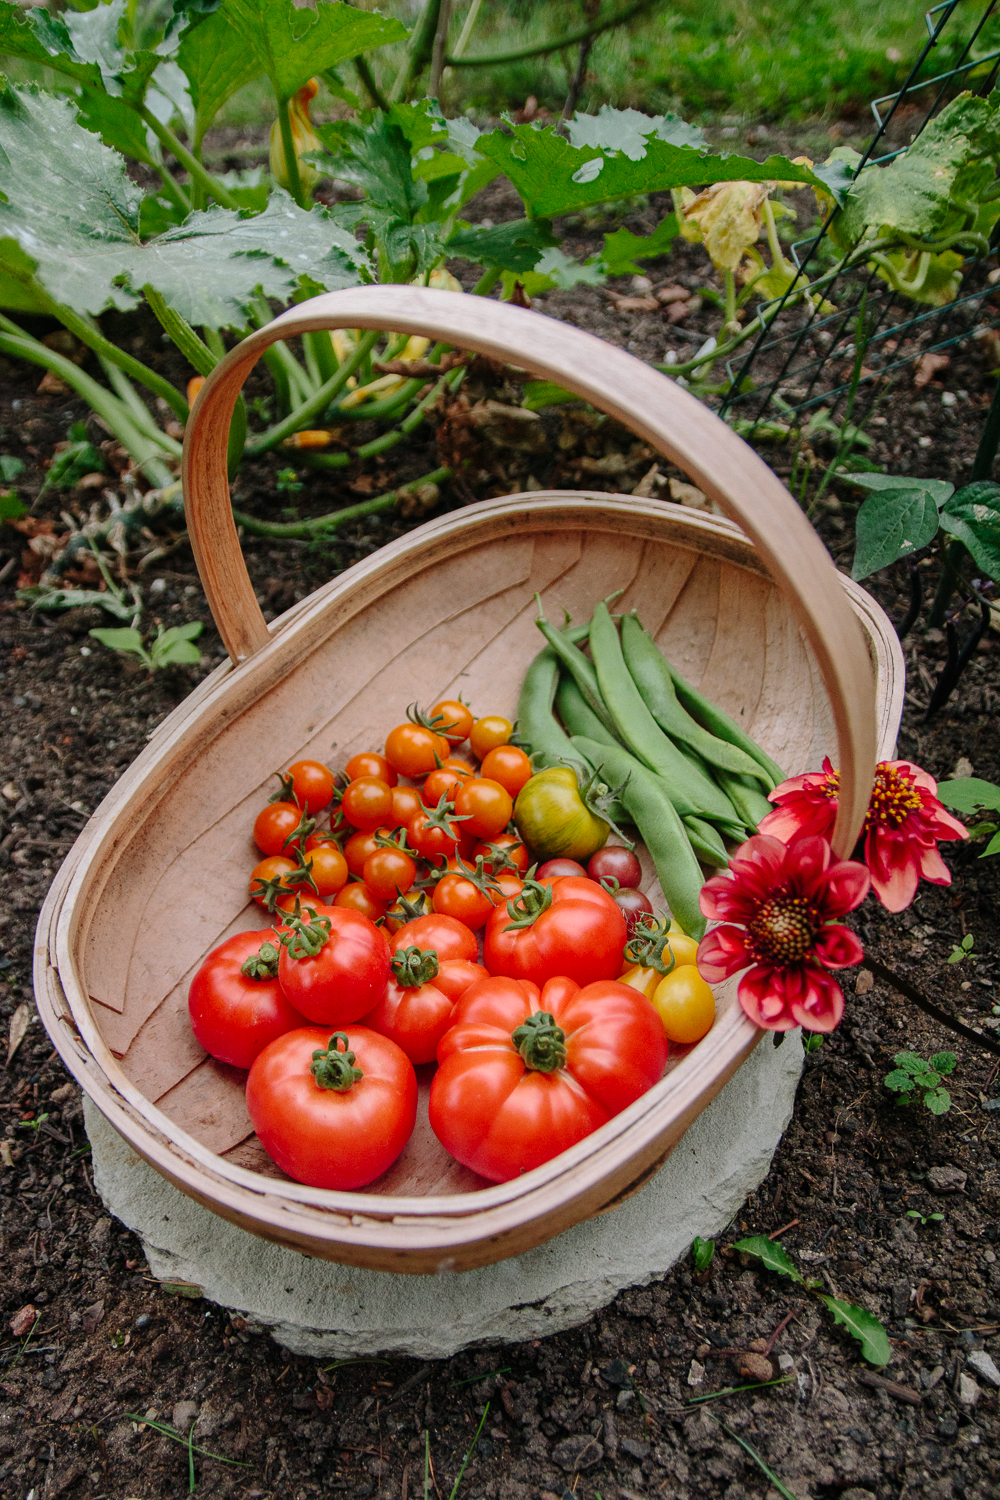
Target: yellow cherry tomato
(486, 734)
(638, 978)
(684, 949)
(685, 1004)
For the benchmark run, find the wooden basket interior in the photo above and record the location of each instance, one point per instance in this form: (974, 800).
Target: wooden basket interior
(465, 623)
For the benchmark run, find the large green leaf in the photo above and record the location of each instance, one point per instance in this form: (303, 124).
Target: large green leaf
(514, 246)
(216, 61)
(968, 793)
(376, 157)
(292, 43)
(893, 523)
(973, 516)
(863, 1326)
(617, 159)
(940, 490)
(770, 1254)
(38, 37)
(623, 248)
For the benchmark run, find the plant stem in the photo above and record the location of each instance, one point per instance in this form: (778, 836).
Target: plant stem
(390, 439)
(729, 282)
(180, 332)
(496, 59)
(368, 80)
(139, 412)
(191, 163)
(952, 553)
(387, 407)
(288, 146)
(418, 52)
(173, 188)
(303, 530)
(438, 47)
(317, 402)
(214, 342)
(486, 283)
(953, 550)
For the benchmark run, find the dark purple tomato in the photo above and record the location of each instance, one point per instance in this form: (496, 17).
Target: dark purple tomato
(634, 906)
(558, 867)
(615, 863)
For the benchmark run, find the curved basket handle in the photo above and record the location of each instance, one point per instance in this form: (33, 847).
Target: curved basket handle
(671, 420)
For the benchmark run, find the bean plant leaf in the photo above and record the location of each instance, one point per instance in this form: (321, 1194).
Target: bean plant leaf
(292, 42)
(863, 1326)
(623, 249)
(893, 523)
(616, 158)
(940, 490)
(967, 793)
(973, 516)
(771, 1255)
(514, 246)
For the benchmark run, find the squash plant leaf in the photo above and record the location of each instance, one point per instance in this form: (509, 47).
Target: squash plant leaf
(216, 61)
(623, 249)
(893, 523)
(36, 36)
(973, 516)
(515, 246)
(771, 1255)
(291, 43)
(863, 1326)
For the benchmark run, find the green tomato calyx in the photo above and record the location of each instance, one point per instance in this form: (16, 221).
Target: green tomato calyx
(304, 939)
(414, 966)
(333, 1069)
(649, 945)
(541, 1043)
(263, 964)
(525, 909)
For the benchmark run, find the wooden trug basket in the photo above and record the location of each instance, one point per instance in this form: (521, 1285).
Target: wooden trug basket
(758, 616)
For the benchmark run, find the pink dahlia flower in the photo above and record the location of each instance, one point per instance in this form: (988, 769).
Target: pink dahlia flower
(778, 904)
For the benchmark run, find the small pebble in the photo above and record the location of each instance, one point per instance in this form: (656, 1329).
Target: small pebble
(968, 1391)
(984, 1367)
(142, 1321)
(925, 442)
(696, 1374)
(948, 398)
(785, 1363)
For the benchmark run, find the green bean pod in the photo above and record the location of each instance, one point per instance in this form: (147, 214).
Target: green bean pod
(706, 842)
(660, 828)
(720, 724)
(579, 668)
(691, 790)
(537, 728)
(577, 715)
(651, 676)
(745, 795)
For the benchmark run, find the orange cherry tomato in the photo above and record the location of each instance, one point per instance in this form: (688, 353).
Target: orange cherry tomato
(486, 806)
(508, 765)
(389, 873)
(413, 750)
(511, 885)
(456, 719)
(370, 763)
(459, 764)
(406, 803)
(367, 802)
(357, 897)
(274, 826)
(328, 867)
(443, 783)
(358, 848)
(498, 850)
(486, 734)
(312, 784)
(272, 868)
(455, 895)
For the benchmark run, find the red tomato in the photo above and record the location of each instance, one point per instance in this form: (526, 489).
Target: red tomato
(367, 803)
(274, 826)
(508, 765)
(312, 784)
(413, 749)
(357, 897)
(525, 1074)
(486, 806)
(511, 886)
(579, 932)
(554, 868)
(233, 1015)
(328, 867)
(455, 895)
(358, 848)
(415, 1010)
(264, 875)
(456, 720)
(501, 852)
(443, 783)
(320, 1123)
(486, 734)
(369, 763)
(448, 938)
(343, 967)
(455, 975)
(406, 908)
(389, 873)
(406, 803)
(433, 834)
(613, 862)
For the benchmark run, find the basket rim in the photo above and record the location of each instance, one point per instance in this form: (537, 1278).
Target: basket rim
(446, 1220)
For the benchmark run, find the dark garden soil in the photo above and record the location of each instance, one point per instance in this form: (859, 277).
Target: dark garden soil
(854, 1191)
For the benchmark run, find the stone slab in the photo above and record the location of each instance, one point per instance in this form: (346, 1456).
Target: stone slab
(315, 1307)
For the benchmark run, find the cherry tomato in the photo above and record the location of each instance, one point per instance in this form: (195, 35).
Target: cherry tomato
(369, 763)
(578, 931)
(509, 765)
(406, 803)
(448, 938)
(233, 1015)
(634, 905)
(457, 763)
(367, 803)
(554, 868)
(685, 1005)
(444, 783)
(486, 806)
(455, 895)
(526, 1073)
(511, 885)
(312, 784)
(389, 873)
(357, 897)
(501, 848)
(433, 834)
(328, 867)
(348, 971)
(358, 848)
(406, 908)
(614, 862)
(342, 1133)
(456, 720)
(274, 826)
(273, 868)
(486, 734)
(413, 750)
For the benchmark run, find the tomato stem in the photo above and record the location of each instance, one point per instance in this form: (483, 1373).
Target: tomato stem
(333, 1069)
(414, 966)
(525, 909)
(648, 943)
(541, 1043)
(305, 939)
(263, 964)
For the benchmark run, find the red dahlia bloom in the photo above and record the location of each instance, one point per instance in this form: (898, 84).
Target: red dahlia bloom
(778, 903)
(901, 831)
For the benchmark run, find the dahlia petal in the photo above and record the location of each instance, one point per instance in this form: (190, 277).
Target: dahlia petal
(920, 778)
(807, 861)
(818, 1001)
(837, 947)
(790, 821)
(944, 825)
(845, 886)
(722, 952)
(722, 899)
(762, 996)
(933, 868)
(896, 887)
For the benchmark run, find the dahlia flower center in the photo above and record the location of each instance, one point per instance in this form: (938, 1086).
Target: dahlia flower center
(781, 932)
(894, 798)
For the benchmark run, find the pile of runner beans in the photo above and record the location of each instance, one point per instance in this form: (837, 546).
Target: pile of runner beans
(445, 902)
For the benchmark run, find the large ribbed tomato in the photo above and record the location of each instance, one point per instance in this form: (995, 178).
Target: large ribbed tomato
(334, 963)
(235, 1011)
(568, 925)
(526, 1073)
